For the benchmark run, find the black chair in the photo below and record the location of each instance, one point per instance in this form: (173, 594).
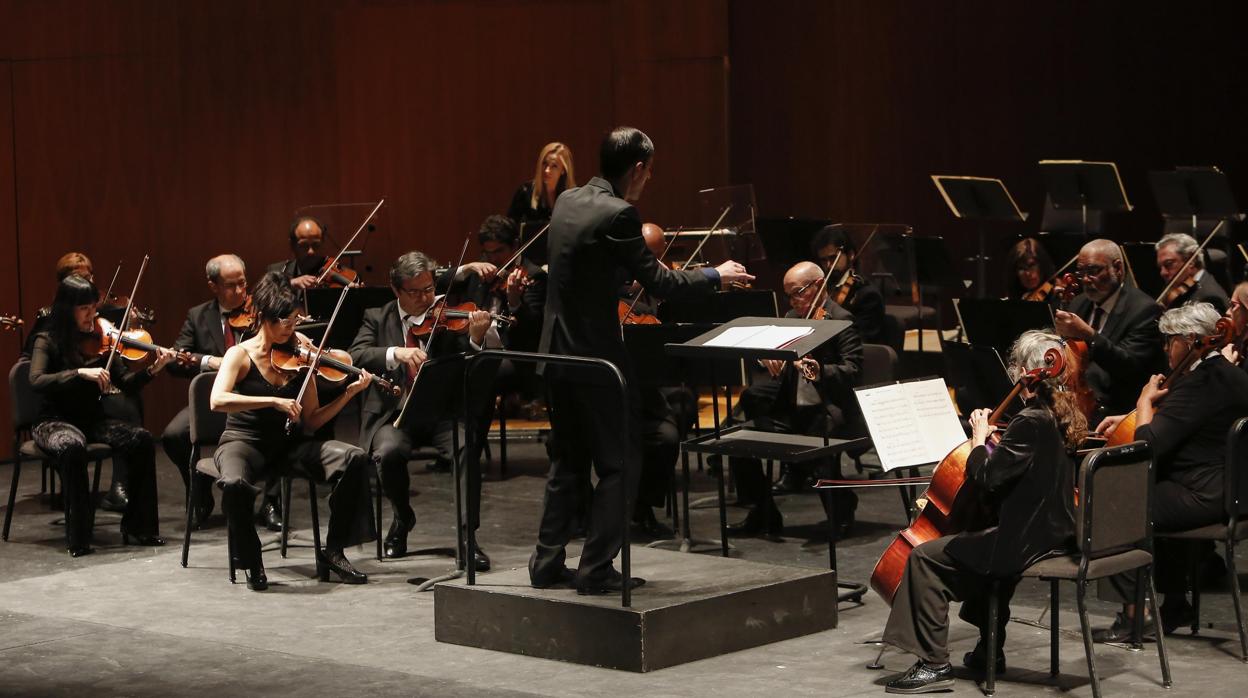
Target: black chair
(1231, 530)
(26, 405)
(1118, 483)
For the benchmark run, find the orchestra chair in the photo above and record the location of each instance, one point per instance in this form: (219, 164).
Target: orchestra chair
(26, 405)
(1114, 534)
(1231, 529)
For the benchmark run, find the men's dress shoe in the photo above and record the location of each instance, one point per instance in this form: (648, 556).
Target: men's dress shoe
(141, 539)
(80, 550)
(257, 580)
(760, 521)
(441, 465)
(1175, 616)
(1121, 630)
(396, 539)
(335, 561)
(270, 517)
(482, 560)
(923, 678)
(794, 481)
(115, 499)
(613, 583)
(565, 579)
(645, 525)
(977, 659)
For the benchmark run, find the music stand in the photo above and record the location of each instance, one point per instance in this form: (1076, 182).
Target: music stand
(997, 323)
(982, 199)
(1084, 186)
(721, 306)
(787, 240)
(321, 302)
(976, 374)
(930, 267)
(1194, 193)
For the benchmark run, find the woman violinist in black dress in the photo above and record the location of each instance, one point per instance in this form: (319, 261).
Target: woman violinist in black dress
(259, 399)
(535, 199)
(73, 385)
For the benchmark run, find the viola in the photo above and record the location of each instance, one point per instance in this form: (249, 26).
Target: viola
(453, 319)
(10, 322)
(132, 345)
(950, 497)
(1066, 287)
(243, 317)
(333, 365)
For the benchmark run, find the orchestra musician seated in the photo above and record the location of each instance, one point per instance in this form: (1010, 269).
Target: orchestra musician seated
(535, 199)
(788, 402)
(1196, 283)
(1028, 267)
(1185, 423)
(1119, 324)
(1027, 479)
(831, 245)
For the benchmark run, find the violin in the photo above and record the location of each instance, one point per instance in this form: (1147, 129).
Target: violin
(333, 274)
(849, 283)
(243, 317)
(630, 316)
(453, 319)
(132, 345)
(333, 365)
(10, 322)
(1053, 283)
(1184, 280)
(950, 497)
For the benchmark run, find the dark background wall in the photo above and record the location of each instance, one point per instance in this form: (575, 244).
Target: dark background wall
(185, 129)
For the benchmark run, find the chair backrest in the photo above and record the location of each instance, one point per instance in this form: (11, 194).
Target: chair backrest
(206, 425)
(1234, 480)
(24, 401)
(1115, 500)
(879, 364)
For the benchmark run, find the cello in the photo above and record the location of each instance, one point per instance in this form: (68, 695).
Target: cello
(1075, 351)
(950, 497)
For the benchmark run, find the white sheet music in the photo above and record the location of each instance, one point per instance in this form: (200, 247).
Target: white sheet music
(911, 423)
(759, 336)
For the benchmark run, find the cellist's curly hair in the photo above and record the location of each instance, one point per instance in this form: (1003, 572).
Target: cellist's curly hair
(1027, 354)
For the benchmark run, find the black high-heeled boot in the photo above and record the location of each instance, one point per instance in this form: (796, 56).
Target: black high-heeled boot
(335, 560)
(257, 580)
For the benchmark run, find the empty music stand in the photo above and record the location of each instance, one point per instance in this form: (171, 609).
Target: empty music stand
(1194, 194)
(1084, 186)
(996, 323)
(980, 199)
(976, 374)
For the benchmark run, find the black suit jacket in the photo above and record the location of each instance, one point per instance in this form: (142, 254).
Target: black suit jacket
(1207, 290)
(381, 329)
(866, 304)
(1126, 352)
(840, 359)
(1190, 424)
(526, 328)
(592, 233)
(202, 335)
(1029, 480)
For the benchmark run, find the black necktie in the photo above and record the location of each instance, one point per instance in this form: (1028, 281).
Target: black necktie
(1098, 314)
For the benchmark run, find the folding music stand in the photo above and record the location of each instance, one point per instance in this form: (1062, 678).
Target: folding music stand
(982, 199)
(930, 268)
(976, 374)
(1084, 186)
(721, 306)
(787, 240)
(996, 323)
(1194, 194)
(321, 302)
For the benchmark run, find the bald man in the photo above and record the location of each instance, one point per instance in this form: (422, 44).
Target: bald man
(1119, 323)
(306, 238)
(786, 402)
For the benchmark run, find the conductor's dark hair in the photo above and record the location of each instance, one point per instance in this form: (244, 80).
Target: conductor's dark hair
(274, 299)
(621, 149)
(294, 225)
(71, 292)
(831, 235)
(500, 229)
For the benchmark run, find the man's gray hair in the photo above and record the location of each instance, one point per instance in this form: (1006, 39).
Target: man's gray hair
(409, 266)
(1189, 319)
(213, 268)
(1185, 245)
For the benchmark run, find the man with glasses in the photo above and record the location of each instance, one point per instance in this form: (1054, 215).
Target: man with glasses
(1119, 324)
(206, 335)
(1173, 251)
(386, 346)
(832, 246)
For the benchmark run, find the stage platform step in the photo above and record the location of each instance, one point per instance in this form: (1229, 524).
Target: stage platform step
(692, 607)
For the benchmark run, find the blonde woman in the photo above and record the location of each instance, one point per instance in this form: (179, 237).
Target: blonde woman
(534, 200)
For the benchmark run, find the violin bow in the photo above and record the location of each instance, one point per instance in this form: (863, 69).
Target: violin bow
(1199, 250)
(437, 319)
(334, 262)
(666, 249)
(850, 269)
(520, 251)
(315, 359)
(707, 236)
(125, 319)
(109, 293)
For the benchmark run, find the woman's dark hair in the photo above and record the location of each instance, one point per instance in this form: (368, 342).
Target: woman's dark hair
(71, 292)
(1025, 249)
(274, 299)
(621, 149)
(500, 229)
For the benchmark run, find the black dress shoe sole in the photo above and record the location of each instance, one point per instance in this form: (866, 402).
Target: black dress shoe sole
(933, 687)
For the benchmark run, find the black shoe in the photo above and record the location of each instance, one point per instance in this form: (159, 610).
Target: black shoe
(612, 584)
(441, 465)
(396, 539)
(334, 560)
(482, 560)
(923, 678)
(149, 540)
(794, 481)
(760, 521)
(977, 659)
(115, 499)
(646, 526)
(1121, 631)
(565, 580)
(1175, 616)
(270, 517)
(80, 550)
(257, 580)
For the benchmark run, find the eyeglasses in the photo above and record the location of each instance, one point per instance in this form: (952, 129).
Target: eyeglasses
(293, 320)
(797, 292)
(415, 292)
(235, 285)
(1090, 271)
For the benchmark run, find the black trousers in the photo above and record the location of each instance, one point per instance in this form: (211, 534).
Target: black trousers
(1177, 506)
(66, 443)
(586, 429)
(392, 448)
(919, 620)
(176, 440)
(128, 408)
(243, 464)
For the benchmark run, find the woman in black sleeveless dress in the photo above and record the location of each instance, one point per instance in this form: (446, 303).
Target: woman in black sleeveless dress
(259, 400)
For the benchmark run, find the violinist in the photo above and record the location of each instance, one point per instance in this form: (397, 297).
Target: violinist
(535, 199)
(390, 343)
(594, 229)
(1027, 479)
(1119, 324)
(831, 245)
(786, 402)
(207, 333)
(1028, 267)
(68, 371)
(1197, 284)
(260, 402)
(1237, 313)
(1186, 424)
(306, 263)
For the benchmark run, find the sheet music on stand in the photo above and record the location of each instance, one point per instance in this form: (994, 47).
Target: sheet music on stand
(911, 423)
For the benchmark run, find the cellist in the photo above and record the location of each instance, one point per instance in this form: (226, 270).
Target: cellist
(1027, 478)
